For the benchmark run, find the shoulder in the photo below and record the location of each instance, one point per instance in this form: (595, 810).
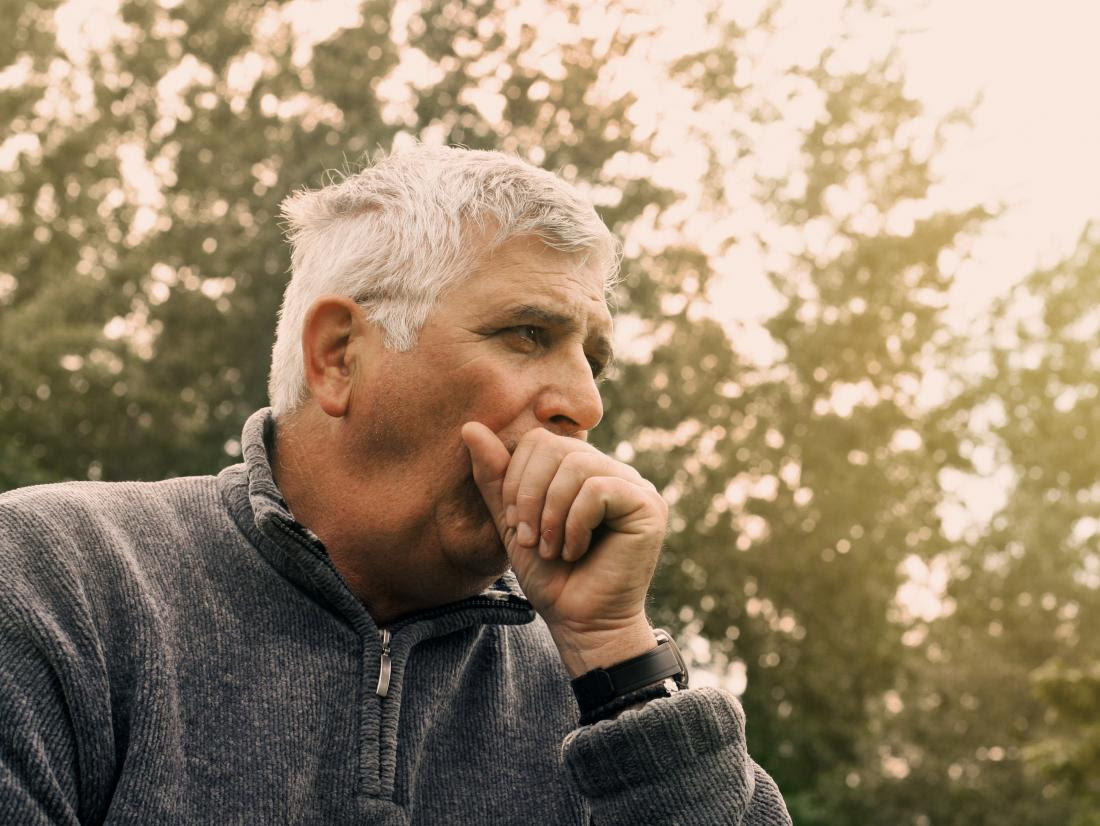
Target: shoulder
(77, 511)
(106, 494)
(77, 541)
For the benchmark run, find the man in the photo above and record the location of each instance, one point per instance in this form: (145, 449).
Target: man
(329, 632)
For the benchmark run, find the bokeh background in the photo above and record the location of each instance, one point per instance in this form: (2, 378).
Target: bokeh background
(858, 324)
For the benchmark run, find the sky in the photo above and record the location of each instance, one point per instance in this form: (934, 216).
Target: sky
(1029, 70)
(1035, 140)
(1034, 147)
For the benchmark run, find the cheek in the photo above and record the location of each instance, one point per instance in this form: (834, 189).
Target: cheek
(497, 397)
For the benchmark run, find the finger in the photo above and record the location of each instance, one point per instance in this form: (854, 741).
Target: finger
(585, 515)
(572, 472)
(617, 504)
(532, 442)
(489, 461)
(531, 494)
(517, 463)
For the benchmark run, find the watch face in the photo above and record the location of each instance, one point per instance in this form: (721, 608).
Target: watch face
(663, 636)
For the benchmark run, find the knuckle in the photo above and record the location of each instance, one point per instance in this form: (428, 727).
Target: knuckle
(576, 463)
(596, 485)
(538, 436)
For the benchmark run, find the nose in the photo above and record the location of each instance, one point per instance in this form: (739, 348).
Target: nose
(569, 403)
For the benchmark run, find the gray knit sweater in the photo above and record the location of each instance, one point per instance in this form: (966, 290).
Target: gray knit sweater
(185, 652)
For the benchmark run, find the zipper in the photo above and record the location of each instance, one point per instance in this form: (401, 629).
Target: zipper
(503, 601)
(384, 666)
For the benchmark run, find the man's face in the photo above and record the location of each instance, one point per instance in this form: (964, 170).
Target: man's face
(515, 346)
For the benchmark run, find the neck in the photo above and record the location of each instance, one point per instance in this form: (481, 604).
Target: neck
(377, 534)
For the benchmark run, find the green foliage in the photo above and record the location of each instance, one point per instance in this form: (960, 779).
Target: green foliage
(1000, 699)
(1070, 752)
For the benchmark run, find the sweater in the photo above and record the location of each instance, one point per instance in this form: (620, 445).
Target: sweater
(184, 651)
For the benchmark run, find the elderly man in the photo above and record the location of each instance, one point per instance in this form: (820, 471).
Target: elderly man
(420, 599)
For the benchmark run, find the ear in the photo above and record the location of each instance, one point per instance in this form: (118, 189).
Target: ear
(333, 325)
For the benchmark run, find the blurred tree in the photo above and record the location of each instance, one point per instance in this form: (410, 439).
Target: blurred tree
(803, 481)
(999, 714)
(1070, 753)
(145, 200)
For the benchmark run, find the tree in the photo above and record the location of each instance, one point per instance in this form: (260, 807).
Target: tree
(1070, 752)
(997, 710)
(816, 475)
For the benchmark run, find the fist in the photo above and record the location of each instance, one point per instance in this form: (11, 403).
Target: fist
(583, 533)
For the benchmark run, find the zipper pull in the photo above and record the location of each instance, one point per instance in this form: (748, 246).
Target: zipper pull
(384, 666)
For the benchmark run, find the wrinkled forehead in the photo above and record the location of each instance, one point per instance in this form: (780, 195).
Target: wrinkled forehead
(577, 280)
(528, 255)
(501, 250)
(526, 279)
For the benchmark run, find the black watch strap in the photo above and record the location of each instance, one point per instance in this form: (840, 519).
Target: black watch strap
(601, 686)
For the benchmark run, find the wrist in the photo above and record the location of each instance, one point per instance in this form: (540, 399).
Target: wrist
(616, 706)
(582, 651)
(604, 693)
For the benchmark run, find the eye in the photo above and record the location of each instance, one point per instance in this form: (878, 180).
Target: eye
(596, 365)
(528, 334)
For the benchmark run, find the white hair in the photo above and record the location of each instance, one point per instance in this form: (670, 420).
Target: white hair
(397, 234)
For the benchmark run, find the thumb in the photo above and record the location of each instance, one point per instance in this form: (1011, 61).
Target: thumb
(489, 459)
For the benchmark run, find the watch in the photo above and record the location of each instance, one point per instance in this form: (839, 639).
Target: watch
(664, 664)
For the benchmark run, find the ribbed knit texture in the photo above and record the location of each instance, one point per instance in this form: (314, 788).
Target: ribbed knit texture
(185, 652)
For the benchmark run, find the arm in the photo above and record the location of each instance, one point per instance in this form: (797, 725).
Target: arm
(680, 761)
(38, 755)
(583, 533)
(55, 739)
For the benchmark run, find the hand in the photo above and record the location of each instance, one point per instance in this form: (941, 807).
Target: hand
(583, 533)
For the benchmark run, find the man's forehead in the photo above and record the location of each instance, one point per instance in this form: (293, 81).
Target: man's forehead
(525, 273)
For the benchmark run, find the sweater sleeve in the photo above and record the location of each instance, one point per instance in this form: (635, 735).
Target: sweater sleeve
(38, 755)
(680, 760)
(53, 747)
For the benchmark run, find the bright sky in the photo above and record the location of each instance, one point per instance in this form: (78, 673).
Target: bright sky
(1035, 142)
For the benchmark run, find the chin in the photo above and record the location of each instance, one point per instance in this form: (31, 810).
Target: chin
(479, 553)
(469, 539)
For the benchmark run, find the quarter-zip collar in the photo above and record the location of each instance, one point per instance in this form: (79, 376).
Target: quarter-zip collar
(261, 513)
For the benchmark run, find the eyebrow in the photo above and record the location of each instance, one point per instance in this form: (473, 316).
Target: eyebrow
(599, 343)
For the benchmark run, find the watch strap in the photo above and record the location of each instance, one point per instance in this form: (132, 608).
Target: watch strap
(600, 686)
(611, 709)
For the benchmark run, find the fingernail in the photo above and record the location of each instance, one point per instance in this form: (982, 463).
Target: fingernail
(524, 534)
(544, 548)
(510, 516)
